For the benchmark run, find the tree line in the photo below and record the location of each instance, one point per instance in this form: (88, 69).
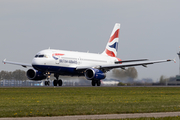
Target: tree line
(21, 75)
(118, 73)
(15, 75)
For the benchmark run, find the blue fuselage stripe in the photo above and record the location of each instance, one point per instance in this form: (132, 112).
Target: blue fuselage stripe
(58, 69)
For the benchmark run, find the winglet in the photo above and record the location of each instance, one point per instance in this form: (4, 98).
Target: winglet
(4, 61)
(174, 60)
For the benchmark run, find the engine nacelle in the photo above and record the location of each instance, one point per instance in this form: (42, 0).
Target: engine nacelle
(94, 74)
(35, 75)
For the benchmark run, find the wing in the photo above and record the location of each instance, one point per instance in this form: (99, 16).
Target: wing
(123, 65)
(117, 62)
(17, 63)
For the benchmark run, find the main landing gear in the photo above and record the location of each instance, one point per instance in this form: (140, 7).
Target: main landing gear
(94, 82)
(57, 82)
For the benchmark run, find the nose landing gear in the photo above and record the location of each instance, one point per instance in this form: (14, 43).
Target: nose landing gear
(47, 81)
(56, 82)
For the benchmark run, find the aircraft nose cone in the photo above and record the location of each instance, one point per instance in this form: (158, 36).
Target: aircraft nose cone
(34, 61)
(37, 64)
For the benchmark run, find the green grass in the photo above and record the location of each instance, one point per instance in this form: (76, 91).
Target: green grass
(49, 101)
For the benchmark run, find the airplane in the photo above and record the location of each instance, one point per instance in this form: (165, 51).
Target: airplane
(70, 63)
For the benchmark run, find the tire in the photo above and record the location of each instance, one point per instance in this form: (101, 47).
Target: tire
(55, 82)
(48, 83)
(93, 82)
(45, 83)
(98, 83)
(60, 82)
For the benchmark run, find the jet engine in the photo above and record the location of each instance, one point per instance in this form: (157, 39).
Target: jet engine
(35, 75)
(94, 74)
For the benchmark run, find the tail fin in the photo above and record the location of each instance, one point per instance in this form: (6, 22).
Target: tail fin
(112, 45)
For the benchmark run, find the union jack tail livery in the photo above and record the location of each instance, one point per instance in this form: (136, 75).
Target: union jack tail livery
(112, 45)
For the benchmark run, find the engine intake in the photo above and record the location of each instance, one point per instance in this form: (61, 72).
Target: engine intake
(94, 74)
(35, 75)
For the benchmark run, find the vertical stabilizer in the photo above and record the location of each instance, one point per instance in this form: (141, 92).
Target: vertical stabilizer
(112, 45)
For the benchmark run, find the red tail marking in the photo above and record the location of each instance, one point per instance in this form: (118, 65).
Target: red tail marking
(115, 35)
(110, 53)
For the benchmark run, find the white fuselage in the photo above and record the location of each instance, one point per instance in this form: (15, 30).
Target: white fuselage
(65, 62)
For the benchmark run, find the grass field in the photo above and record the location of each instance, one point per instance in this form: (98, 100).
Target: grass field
(49, 101)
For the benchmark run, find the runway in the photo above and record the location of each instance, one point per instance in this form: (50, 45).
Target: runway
(106, 116)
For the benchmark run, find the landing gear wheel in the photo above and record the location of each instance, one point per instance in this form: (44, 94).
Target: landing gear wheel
(98, 83)
(55, 82)
(93, 82)
(60, 82)
(47, 83)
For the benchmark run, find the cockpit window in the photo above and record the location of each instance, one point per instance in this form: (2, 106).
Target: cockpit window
(41, 56)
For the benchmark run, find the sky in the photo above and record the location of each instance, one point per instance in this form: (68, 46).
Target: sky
(149, 29)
